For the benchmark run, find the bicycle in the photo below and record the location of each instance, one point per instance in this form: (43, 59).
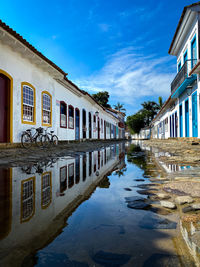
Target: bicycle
(49, 138)
(27, 138)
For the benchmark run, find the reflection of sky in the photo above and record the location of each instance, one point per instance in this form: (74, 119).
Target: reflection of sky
(104, 223)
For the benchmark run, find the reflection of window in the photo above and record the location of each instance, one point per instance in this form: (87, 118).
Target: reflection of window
(84, 167)
(63, 179)
(70, 175)
(28, 102)
(95, 162)
(90, 163)
(77, 168)
(99, 159)
(63, 115)
(46, 190)
(46, 108)
(71, 117)
(27, 199)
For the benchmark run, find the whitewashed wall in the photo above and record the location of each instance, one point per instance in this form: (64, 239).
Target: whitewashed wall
(22, 70)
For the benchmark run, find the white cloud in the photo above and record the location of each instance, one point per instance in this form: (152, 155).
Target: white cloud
(104, 27)
(129, 76)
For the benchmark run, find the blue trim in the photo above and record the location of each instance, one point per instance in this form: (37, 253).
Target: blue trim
(194, 40)
(179, 66)
(181, 120)
(185, 56)
(194, 115)
(182, 87)
(187, 122)
(175, 124)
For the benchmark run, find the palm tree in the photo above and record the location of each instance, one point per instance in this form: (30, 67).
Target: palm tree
(150, 109)
(119, 107)
(160, 101)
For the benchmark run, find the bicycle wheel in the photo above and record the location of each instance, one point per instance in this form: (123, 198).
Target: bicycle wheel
(26, 140)
(38, 141)
(45, 140)
(54, 140)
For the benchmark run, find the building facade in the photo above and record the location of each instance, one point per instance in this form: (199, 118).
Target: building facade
(37, 93)
(179, 117)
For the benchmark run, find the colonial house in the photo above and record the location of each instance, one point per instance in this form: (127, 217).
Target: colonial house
(179, 117)
(35, 92)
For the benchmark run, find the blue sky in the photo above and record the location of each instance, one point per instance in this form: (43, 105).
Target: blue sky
(120, 46)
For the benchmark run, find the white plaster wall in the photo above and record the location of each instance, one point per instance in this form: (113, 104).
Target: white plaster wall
(22, 70)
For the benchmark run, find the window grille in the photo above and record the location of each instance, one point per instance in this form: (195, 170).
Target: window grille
(28, 103)
(28, 198)
(46, 108)
(46, 189)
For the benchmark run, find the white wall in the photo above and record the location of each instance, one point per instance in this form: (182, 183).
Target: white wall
(22, 70)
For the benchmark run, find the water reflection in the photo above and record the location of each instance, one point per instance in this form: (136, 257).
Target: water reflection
(32, 197)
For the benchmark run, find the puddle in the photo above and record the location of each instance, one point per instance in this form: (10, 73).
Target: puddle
(94, 209)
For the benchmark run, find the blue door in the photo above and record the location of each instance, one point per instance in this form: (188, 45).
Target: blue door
(77, 124)
(194, 115)
(176, 124)
(173, 125)
(170, 126)
(181, 120)
(186, 118)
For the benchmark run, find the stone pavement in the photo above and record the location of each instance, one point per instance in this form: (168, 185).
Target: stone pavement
(182, 150)
(10, 157)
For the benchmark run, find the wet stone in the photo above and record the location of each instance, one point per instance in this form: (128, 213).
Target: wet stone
(128, 189)
(134, 198)
(158, 260)
(146, 192)
(174, 191)
(183, 200)
(156, 222)
(138, 204)
(110, 259)
(163, 196)
(187, 209)
(168, 204)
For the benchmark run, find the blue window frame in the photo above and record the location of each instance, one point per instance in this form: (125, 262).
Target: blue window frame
(179, 66)
(193, 52)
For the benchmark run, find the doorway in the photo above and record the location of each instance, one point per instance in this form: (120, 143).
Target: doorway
(4, 109)
(77, 124)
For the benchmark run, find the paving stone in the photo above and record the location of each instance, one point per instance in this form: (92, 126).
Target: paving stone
(168, 204)
(163, 196)
(183, 200)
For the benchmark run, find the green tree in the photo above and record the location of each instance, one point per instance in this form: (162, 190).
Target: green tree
(120, 107)
(150, 109)
(102, 98)
(160, 101)
(136, 122)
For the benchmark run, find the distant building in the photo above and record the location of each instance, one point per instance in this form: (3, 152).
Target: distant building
(36, 92)
(179, 117)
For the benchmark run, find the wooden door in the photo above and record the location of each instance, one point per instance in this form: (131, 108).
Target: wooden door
(4, 109)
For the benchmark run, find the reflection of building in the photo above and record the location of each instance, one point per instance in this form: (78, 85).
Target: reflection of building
(33, 205)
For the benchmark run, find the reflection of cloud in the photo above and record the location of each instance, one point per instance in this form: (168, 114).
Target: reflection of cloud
(104, 27)
(128, 76)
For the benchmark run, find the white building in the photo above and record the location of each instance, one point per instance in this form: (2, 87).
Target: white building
(179, 117)
(35, 92)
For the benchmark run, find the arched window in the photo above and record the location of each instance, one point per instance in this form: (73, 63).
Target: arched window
(63, 115)
(71, 117)
(28, 103)
(101, 126)
(46, 109)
